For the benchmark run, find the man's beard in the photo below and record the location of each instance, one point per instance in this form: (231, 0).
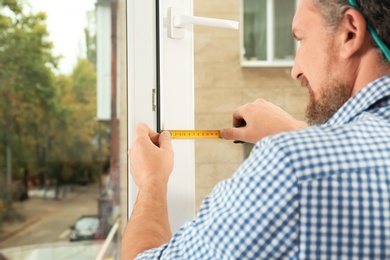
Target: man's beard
(330, 98)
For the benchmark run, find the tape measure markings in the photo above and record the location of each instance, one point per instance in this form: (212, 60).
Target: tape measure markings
(194, 134)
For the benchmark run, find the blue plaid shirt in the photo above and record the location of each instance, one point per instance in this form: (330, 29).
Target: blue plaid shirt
(319, 193)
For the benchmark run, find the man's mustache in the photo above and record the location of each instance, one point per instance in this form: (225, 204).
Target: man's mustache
(305, 83)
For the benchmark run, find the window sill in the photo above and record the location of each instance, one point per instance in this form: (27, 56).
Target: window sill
(273, 64)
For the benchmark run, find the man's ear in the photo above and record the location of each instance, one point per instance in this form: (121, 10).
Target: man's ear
(353, 32)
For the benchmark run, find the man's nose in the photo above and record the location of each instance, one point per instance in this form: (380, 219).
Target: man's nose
(296, 71)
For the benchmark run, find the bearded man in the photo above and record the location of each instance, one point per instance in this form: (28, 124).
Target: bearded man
(309, 190)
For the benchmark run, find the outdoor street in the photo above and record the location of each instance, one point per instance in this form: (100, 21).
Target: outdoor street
(48, 220)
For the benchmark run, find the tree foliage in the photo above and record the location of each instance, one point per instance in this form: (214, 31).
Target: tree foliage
(46, 118)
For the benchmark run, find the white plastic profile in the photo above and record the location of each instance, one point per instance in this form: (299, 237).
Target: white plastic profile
(177, 21)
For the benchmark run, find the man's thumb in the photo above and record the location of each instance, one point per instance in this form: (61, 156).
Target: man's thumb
(164, 140)
(230, 133)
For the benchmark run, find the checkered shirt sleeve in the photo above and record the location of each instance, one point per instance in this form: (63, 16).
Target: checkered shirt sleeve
(253, 215)
(320, 193)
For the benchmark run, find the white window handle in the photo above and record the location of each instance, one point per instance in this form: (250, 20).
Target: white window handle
(177, 21)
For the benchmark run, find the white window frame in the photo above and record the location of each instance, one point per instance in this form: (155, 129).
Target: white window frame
(141, 74)
(175, 74)
(270, 62)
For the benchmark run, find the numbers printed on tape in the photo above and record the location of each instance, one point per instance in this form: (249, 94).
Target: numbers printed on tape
(193, 134)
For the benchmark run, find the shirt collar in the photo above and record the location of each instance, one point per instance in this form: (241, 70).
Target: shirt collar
(360, 102)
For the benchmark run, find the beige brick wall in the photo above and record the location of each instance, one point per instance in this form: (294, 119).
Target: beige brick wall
(222, 85)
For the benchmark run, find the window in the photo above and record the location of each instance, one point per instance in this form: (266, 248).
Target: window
(55, 153)
(266, 35)
(200, 85)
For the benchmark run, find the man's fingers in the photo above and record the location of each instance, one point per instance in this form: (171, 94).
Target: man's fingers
(154, 136)
(165, 140)
(238, 116)
(143, 131)
(231, 133)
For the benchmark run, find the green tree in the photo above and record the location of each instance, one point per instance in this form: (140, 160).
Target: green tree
(47, 120)
(78, 96)
(26, 83)
(28, 107)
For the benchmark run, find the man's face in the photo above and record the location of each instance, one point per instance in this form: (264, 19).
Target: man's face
(317, 64)
(332, 96)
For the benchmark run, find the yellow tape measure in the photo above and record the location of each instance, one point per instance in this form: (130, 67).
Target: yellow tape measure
(194, 134)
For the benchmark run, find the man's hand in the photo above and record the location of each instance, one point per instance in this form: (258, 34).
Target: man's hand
(151, 163)
(151, 157)
(259, 119)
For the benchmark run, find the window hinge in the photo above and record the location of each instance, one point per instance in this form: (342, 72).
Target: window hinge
(154, 98)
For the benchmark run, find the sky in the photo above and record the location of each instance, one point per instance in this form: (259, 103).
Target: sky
(66, 22)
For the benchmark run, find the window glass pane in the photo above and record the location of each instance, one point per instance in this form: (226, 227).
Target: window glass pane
(284, 43)
(255, 33)
(54, 153)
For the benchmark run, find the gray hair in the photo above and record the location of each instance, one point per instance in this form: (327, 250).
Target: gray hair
(377, 13)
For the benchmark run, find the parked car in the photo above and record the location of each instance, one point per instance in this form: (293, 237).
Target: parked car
(85, 228)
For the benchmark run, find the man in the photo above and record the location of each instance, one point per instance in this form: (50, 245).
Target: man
(321, 192)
